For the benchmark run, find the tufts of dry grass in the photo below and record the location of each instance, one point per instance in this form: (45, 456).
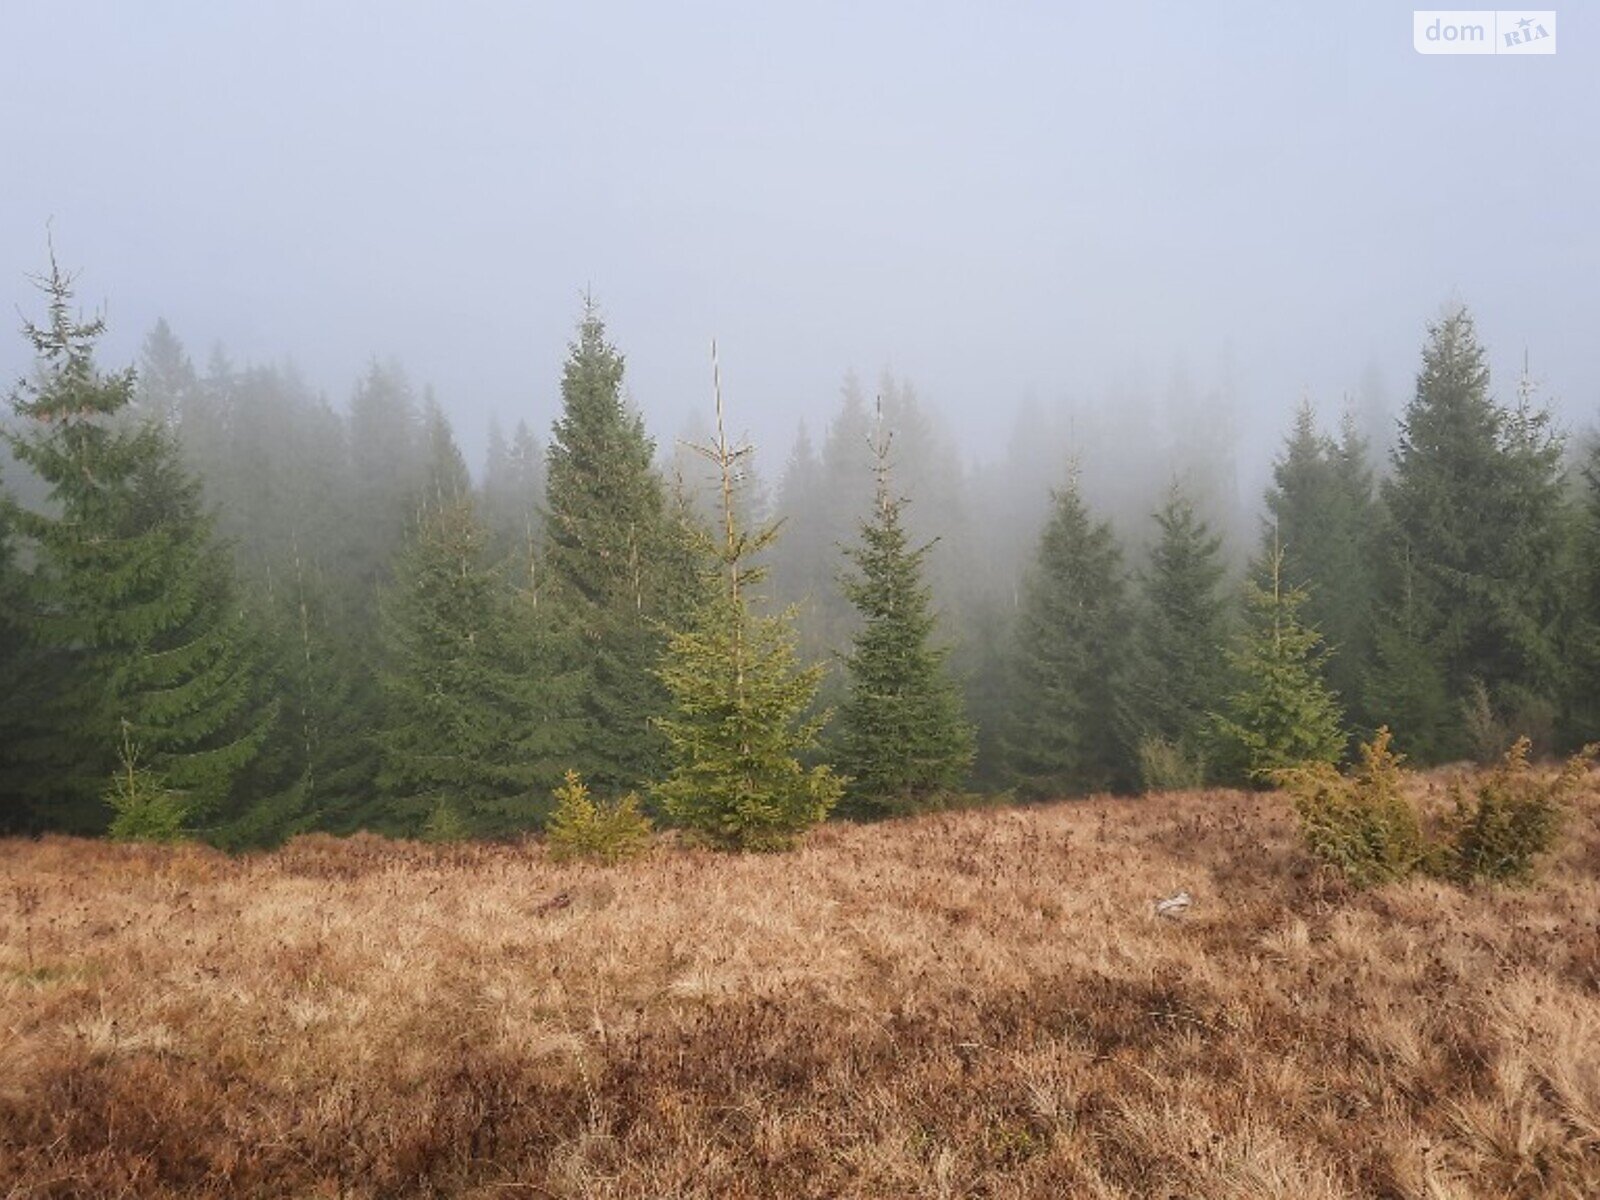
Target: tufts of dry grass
(965, 1004)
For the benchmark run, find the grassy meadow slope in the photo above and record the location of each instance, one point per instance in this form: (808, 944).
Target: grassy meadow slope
(969, 1004)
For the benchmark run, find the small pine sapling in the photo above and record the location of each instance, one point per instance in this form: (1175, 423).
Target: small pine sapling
(604, 831)
(146, 809)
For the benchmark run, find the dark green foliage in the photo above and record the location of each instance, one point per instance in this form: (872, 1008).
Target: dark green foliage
(1581, 692)
(131, 591)
(1182, 636)
(19, 668)
(737, 725)
(1512, 818)
(1067, 728)
(1474, 572)
(902, 740)
(1406, 676)
(585, 828)
(1360, 824)
(609, 542)
(1325, 517)
(1281, 712)
(473, 707)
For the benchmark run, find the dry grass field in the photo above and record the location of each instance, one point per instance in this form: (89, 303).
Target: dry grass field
(970, 1004)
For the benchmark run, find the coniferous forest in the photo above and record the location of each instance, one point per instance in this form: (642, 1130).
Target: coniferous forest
(235, 609)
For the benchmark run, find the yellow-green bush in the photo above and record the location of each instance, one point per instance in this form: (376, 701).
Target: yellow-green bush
(1361, 823)
(606, 831)
(1510, 819)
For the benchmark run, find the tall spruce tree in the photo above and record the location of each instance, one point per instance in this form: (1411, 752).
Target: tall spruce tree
(1182, 632)
(470, 740)
(902, 739)
(609, 542)
(737, 724)
(1068, 727)
(1475, 500)
(132, 590)
(1281, 712)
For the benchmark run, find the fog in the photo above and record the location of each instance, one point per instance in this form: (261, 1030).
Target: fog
(1011, 205)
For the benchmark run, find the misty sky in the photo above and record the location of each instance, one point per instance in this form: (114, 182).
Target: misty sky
(1000, 201)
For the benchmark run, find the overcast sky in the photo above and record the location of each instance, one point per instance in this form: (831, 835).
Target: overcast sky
(1001, 201)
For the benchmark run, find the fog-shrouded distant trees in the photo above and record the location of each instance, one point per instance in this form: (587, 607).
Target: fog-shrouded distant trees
(1068, 730)
(739, 717)
(1470, 603)
(611, 544)
(902, 739)
(154, 653)
(1325, 519)
(1280, 712)
(1179, 665)
(230, 608)
(513, 496)
(473, 735)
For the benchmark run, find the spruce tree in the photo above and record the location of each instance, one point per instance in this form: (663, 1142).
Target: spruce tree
(1068, 728)
(902, 737)
(609, 537)
(1406, 677)
(1475, 499)
(737, 724)
(470, 738)
(1281, 713)
(131, 589)
(1182, 634)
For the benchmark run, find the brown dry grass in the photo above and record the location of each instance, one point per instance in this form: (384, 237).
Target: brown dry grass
(971, 1004)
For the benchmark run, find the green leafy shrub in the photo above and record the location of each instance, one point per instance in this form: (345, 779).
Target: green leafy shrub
(1512, 817)
(582, 827)
(1361, 823)
(1168, 766)
(146, 809)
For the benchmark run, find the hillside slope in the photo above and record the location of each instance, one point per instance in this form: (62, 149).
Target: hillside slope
(972, 1004)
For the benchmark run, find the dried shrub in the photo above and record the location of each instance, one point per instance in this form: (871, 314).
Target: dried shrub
(1511, 818)
(605, 831)
(1361, 824)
